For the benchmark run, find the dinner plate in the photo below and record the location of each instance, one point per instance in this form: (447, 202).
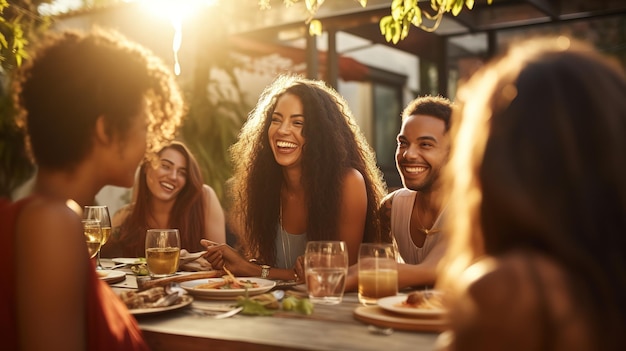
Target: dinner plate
(264, 286)
(380, 317)
(111, 276)
(186, 300)
(394, 304)
(127, 260)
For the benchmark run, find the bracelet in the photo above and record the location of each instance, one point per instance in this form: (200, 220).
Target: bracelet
(265, 270)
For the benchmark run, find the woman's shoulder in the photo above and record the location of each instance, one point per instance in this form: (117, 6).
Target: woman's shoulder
(352, 177)
(208, 191)
(353, 174)
(353, 183)
(42, 209)
(509, 300)
(515, 275)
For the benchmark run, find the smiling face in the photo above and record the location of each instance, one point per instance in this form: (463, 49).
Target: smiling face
(169, 177)
(285, 131)
(422, 151)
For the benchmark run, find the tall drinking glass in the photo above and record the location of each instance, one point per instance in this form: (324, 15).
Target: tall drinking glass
(100, 213)
(162, 252)
(325, 267)
(93, 235)
(378, 272)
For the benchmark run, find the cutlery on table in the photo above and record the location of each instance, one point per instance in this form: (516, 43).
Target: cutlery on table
(144, 283)
(216, 312)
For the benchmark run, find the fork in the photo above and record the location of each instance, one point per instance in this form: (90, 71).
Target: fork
(214, 313)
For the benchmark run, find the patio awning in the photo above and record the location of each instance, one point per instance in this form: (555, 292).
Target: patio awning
(349, 68)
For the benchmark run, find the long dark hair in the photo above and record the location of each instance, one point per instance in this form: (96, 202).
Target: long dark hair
(334, 144)
(187, 214)
(544, 145)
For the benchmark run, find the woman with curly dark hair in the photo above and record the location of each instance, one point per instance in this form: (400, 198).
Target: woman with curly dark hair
(91, 104)
(303, 171)
(169, 193)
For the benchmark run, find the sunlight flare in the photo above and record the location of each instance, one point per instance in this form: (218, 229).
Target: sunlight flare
(176, 11)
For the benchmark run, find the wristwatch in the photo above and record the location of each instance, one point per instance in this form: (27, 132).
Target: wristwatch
(265, 270)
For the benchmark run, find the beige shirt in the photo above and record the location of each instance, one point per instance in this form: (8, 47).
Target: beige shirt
(401, 209)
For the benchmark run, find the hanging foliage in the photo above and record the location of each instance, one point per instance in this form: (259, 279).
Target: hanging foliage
(396, 26)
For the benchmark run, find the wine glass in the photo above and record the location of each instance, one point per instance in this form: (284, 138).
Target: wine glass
(93, 236)
(100, 213)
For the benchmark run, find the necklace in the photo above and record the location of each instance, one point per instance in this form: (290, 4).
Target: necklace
(423, 228)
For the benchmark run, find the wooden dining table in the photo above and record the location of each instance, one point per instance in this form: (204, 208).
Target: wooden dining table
(329, 327)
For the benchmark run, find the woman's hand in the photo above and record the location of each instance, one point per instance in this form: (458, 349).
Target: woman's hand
(299, 270)
(223, 255)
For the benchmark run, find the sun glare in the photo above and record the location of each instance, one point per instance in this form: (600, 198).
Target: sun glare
(176, 11)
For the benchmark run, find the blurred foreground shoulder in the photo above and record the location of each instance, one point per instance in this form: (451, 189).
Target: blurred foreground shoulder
(507, 304)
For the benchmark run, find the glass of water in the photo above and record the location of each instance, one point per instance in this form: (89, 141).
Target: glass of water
(325, 267)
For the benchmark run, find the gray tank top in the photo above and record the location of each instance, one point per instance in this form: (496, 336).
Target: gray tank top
(288, 247)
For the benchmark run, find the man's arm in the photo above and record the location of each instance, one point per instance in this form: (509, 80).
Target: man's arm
(424, 273)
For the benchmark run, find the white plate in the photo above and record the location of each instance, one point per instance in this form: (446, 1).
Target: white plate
(127, 260)
(141, 311)
(264, 286)
(110, 275)
(394, 304)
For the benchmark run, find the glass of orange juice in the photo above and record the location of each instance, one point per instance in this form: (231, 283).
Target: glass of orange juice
(162, 252)
(378, 272)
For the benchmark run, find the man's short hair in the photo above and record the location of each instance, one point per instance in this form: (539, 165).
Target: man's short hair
(435, 106)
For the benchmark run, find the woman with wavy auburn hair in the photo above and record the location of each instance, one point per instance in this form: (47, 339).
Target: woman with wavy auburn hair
(537, 256)
(169, 193)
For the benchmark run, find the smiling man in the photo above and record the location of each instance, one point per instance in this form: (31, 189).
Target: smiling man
(413, 215)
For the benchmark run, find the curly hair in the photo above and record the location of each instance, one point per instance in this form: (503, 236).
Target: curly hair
(74, 78)
(187, 214)
(334, 143)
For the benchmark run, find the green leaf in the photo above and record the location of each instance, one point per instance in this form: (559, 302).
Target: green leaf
(457, 7)
(310, 4)
(396, 32)
(384, 24)
(417, 17)
(3, 41)
(406, 26)
(315, 28)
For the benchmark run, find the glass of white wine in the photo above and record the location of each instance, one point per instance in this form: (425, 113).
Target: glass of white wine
(93, 236)
(162, 252)
(100, 213)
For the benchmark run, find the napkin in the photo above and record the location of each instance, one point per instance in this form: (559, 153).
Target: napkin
(191, 264)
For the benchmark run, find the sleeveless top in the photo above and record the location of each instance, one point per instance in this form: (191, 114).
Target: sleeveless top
(288, 247)
(109, 325)
(401, 209)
